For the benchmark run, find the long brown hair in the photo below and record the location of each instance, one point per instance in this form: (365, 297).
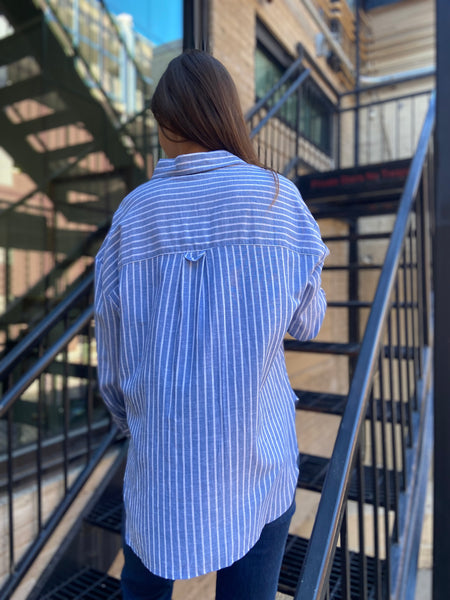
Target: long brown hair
(196, 98)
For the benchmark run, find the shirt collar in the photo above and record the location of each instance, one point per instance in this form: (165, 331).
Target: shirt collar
(198, 162)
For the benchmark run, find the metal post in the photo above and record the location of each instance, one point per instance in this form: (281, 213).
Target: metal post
(297, 127)
(76, 23)
(357, 95)
(441, 252)
(353, 291)
(338, 133)
(127, 67)
(196, 24)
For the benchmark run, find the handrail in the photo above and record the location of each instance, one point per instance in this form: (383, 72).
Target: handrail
(263, 101)
(67, 33)
(27, 560)
(57, 271)
(31, 339)
(319, 557)
(277, 107)
(14, 393)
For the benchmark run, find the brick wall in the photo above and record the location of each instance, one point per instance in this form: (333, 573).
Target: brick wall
(233, 36)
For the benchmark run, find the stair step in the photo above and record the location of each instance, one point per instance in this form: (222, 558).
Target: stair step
(348, 304)
(107, 513)
(59, 118)
(334, 404)
(294, 556)
(365, 304)
(313, 470)
(77, 371)
(69, 151)
(353, 208)
(22, 90)
(90, 212)
(353, 267)
(13, 48)
(345, 349)
(76, 180)
(354, 237)
(322, 402)
(365, 266)
(86, 584)
(401, 352)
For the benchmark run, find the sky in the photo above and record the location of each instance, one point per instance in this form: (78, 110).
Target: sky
(159, 20)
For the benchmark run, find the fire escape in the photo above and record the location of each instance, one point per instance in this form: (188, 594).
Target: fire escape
(65, 131)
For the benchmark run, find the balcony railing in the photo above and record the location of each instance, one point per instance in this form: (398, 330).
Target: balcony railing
(381, 129)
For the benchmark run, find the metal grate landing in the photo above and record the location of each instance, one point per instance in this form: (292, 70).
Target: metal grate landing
(292, 563)
(107, 512)
(87, 584)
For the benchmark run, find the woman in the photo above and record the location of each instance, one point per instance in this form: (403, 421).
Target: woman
(205, 269)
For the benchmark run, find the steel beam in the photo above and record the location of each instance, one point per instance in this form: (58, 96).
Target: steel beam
(441, 253)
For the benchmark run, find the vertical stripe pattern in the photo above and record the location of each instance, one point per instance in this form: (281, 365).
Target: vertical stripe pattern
(197, 283)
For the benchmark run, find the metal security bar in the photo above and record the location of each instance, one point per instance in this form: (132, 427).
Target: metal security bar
(384, 438)
(55, 428)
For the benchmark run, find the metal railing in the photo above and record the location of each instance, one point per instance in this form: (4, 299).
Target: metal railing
(274, 123)
(78, 193)
(52, 373)
(386, 423)
(379, 129)
(60, 249)
(48, 290)
(106, 48)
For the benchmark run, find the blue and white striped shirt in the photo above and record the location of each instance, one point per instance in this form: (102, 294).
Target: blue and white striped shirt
(197, 283)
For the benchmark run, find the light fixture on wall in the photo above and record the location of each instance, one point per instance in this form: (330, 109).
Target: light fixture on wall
(323, 50)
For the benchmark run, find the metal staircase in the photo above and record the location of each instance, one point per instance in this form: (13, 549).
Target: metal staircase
(380, 484)
(369, 491)
(76, 143)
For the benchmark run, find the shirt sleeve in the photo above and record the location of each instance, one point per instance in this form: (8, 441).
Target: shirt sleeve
(107, 333)
(307, 319)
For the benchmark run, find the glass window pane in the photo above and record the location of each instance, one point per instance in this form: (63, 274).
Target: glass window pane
(315, 109)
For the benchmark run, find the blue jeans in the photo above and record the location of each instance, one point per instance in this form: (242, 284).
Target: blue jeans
(254, 576)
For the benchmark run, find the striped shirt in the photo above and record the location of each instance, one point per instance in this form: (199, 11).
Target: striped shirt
(197, 283)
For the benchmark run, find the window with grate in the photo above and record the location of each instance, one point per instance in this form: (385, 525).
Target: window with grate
(314, 115)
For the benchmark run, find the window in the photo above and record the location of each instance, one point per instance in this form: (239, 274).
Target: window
(315, 116)
(315, 110)
(267, 73)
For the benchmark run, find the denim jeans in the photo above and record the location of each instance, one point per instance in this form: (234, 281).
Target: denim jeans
(253, 577)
